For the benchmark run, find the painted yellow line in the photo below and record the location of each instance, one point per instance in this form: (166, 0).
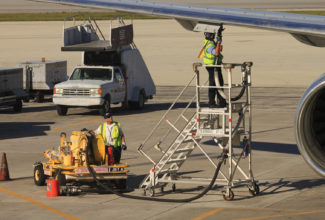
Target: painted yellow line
(284, 215)
(73, 125)
(4, 140)
(203, 216)
(58, 212)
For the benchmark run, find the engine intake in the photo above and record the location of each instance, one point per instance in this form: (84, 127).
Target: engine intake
(310, 125)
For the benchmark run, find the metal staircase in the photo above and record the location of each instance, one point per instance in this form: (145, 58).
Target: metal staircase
(174, 157)
(229, 126)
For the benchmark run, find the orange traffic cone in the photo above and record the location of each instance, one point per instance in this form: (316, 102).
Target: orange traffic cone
(4, 171)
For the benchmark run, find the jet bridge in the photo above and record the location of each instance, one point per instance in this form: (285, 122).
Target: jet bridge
(180, 133)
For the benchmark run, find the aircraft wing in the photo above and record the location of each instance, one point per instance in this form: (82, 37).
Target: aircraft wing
(308, 29)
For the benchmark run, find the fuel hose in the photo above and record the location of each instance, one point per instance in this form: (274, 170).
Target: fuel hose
(109, 189)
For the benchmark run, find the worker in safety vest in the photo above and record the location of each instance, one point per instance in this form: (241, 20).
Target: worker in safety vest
(113, 136)
(213, 57)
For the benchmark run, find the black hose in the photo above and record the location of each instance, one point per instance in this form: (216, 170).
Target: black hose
(241, 93)
(109, 189)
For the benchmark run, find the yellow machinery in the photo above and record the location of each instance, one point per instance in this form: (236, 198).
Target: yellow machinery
(69, 162)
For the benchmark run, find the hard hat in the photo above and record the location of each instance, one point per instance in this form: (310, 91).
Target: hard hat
(209, 36)
(108, 115)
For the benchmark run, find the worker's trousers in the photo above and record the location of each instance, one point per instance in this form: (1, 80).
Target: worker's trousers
(212, 82)
(117, 154)
(117, 151)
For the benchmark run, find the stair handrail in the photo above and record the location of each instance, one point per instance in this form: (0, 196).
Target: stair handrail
(163, 117)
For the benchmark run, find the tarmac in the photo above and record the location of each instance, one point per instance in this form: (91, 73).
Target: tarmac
(283, 68)
(289, 188)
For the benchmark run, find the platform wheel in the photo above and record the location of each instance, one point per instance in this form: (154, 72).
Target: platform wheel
(18, 106)
(174, 187)
(230, 196)
(254, 189)
(152, 192)
(39, 97)
(39, 176)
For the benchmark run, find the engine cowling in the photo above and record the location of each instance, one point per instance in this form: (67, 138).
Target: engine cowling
(310, 125)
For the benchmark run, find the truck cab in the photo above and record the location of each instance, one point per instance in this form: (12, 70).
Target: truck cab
(91, 86)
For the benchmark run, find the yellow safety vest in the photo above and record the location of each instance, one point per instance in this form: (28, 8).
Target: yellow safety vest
(208, 58)
(117, 139)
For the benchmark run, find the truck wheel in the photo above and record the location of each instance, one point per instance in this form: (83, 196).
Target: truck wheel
(39, 176)
(106, 107)
(26, 99)
(39, 97)
(62, 110)
(18, 106)
(140, 103)
(141, 100)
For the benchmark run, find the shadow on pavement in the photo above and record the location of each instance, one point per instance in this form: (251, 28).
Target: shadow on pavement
(9, 130)
(267, 146)
(152, 107)
(283, 186)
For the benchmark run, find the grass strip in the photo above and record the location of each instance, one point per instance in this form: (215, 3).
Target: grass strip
(321, 13)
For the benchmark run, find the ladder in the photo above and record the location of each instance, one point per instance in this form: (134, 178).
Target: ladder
(212, 123)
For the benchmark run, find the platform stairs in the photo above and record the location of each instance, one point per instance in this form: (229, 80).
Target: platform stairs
(228, 127)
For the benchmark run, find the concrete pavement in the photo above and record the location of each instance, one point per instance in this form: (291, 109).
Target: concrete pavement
(289, 188)
(169, 50)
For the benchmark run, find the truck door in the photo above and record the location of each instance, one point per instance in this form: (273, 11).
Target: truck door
(119, 85)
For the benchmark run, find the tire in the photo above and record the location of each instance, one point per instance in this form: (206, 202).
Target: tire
(39, 176)
(62, 110)
(140, 103)
(106, 107)
(254, 189)
(39, 97)
(18, 106)
(230, 197)
(141, 100)
(26, 99)
(61, 179)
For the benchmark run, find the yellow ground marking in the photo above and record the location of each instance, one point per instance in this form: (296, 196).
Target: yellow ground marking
(64, 127)
(58, 212)
(73, 125)
(4, 140)
(284, 215)
(296, 212)
(203, 216)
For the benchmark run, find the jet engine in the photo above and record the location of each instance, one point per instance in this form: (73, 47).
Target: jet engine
(310, 125)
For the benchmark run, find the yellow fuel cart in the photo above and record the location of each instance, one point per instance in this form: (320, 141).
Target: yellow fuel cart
(68, 163)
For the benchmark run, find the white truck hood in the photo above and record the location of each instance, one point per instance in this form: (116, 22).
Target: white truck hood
(87, 84)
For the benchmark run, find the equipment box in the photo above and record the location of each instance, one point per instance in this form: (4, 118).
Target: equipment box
(11, 88)
(11, 79)
(40, 75)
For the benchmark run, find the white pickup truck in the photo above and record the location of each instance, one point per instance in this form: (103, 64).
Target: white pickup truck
(106, 77)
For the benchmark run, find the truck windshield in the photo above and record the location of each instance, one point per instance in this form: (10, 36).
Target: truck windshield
(92, 74)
